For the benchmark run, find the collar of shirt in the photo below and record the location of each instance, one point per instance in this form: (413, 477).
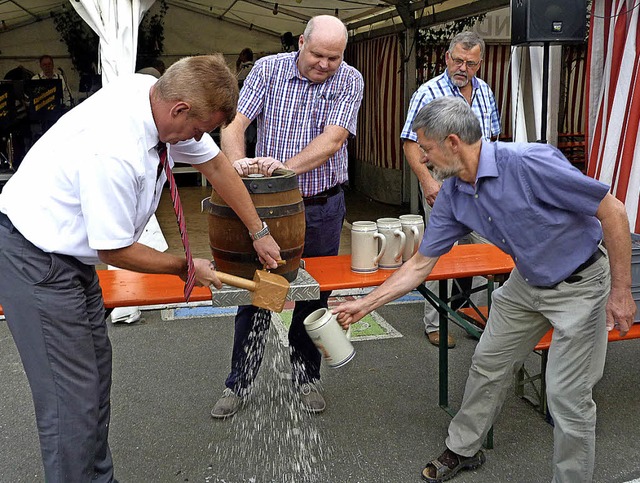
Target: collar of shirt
(292, 70)
(474, 83)
(487, 168)
(151, 135)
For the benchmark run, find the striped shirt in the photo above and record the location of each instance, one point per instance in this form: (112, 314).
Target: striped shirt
(292, 111)
(483, 104)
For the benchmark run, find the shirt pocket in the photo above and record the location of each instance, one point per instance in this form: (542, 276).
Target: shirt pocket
(321, 107)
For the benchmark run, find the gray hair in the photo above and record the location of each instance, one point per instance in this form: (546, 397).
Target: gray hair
(448, 115)
(308, 31)
(468, 40)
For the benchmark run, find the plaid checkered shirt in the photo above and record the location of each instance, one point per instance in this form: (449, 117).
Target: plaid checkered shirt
(483, 104)
(292, 111)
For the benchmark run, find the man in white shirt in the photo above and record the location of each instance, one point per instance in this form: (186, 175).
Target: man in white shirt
(48, 71)
(83, 196)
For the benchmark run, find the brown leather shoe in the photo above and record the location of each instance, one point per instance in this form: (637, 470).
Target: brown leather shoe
(434, 338)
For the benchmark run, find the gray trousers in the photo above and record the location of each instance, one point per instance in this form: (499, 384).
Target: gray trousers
(55, 312)
(520, 315)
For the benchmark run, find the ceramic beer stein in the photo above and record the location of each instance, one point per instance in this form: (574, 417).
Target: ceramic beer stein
(391, 228)
(413, 228)
(329, 337)
(367, 246)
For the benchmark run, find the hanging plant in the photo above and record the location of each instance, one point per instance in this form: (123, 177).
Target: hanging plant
(151, 35)
(82, 42)
(433, 42)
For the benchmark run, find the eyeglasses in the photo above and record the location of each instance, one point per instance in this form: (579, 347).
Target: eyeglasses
(470, 63)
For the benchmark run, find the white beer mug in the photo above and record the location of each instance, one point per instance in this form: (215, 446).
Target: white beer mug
(365, 249)
(413, 228)
(329, 337)
(391, 228)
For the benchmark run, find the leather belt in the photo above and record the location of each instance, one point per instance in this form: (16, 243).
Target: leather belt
(597, 255)
(322, 197)
(575, 276)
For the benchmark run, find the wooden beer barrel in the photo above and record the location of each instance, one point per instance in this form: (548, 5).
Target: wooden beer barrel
(278, 203)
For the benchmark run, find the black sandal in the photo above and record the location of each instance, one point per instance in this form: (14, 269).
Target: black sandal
(445, 472)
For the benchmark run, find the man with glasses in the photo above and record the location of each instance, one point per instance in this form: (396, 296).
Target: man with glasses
(463, 60)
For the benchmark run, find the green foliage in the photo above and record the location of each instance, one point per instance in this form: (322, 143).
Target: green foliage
(151, 34)
(443, 34)
(82, 42)
(432, 43)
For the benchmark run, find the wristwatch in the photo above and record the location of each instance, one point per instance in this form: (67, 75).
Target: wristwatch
(261, 233)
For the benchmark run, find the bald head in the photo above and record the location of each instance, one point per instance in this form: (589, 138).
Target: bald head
(328, 25)
(321, 48)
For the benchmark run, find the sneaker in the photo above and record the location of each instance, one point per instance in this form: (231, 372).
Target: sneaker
(227, 405)
(311, 398)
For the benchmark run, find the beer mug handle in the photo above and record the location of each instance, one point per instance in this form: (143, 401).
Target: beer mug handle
(416, 239)
(348, 332)
(383, 247)
(403, 241)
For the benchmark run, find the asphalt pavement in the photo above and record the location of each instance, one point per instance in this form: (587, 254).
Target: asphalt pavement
(382, 423)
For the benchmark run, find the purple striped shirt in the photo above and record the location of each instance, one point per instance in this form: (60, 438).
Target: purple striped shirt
(292, 111)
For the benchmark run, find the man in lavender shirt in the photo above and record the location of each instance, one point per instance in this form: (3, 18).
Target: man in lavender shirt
(306, 104)
(527, 199)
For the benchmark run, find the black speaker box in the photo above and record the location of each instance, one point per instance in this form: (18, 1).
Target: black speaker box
(548, 21)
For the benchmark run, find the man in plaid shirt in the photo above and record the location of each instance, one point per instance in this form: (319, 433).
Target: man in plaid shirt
(306, 104)
(463, 60)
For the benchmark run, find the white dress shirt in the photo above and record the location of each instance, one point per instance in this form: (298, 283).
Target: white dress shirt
(91, 182)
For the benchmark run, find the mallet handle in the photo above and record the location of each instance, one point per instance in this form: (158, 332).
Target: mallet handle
(236, 281)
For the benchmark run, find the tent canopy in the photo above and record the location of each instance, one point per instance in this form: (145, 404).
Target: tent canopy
(278, 17)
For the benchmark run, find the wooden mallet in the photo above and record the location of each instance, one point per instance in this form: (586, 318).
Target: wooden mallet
(269, 290)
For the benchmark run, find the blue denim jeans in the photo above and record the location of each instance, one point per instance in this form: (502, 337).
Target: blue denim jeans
(322, 238)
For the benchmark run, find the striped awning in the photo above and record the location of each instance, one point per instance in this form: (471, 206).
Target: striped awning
(614, 101)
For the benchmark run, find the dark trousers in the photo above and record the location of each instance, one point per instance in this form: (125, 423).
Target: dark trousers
(55, 312)
(322, 238)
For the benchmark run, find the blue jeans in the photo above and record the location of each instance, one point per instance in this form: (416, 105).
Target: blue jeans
(322, 238)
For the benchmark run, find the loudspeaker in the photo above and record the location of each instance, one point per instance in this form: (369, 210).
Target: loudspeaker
(548, 21)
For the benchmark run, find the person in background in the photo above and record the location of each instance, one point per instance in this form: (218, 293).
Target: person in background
(463, 59)
(306, 104)
(79, 199)
(244, 64)
(155, 68)
(48, 70)
(570, 241)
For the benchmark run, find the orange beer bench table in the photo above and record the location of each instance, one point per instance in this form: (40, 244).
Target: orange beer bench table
(122, 288)
(334, 273)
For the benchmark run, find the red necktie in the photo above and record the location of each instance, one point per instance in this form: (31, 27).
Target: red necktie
(182, 226)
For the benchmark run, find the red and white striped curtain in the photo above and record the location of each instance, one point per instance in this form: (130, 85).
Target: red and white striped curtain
(382, 114)
(495, 72)
(614, 101)
(572, 89)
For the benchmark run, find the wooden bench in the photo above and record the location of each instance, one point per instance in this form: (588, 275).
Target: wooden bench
(537, 381)
(122, 288)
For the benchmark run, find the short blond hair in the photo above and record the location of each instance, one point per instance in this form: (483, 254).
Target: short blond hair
(205, 82)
